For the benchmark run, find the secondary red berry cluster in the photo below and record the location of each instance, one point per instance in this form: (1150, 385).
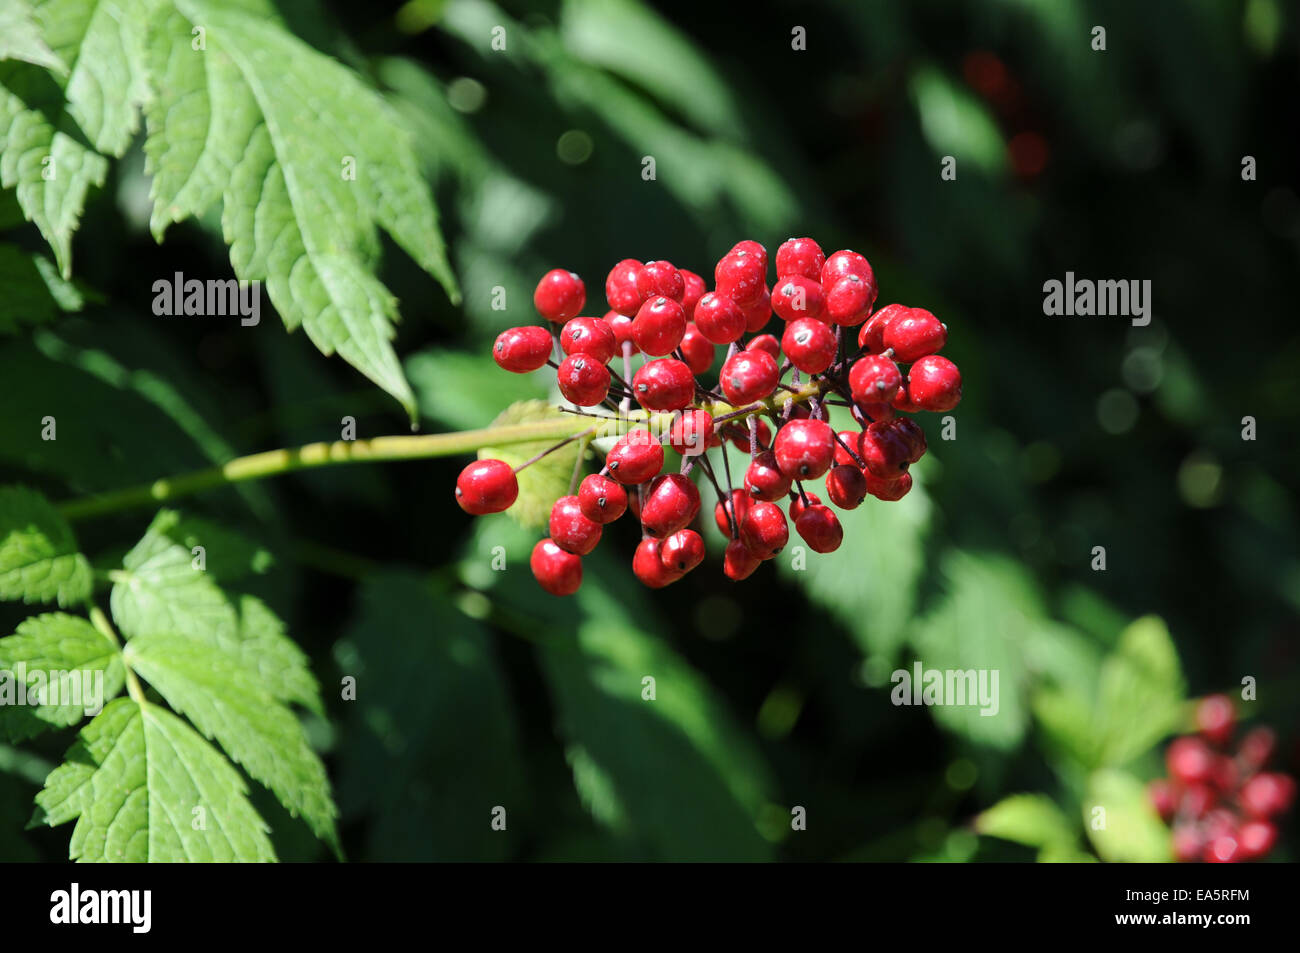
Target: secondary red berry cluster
(773, 399)
(1223, 806)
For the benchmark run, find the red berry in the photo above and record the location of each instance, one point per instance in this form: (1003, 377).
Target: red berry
(805, 449)
(852, 440)
(1255, 839)
(1197, 800)
(583, 380)
(848, 302)
(591, 336)
(740, 436)
(1163, 797)
(649, 568)
(809, 344)
(800, 256)
(820, 529)
(620, 287)
(659, 326)
(635, 458)
(695, 288)
(764, 480)
(1189, 761)
(739, 505)
(697, 350)
(797, 503)
(763, 530)
(1222, 850)
(1256, 748)
(872, 335)
(1215, 718)
(748, 376)
(560, 295)
(750, 247)
(765, 342)
(602, 500)
(671, 502)
(621, 325)
(759, 313)
(1266, 794)
(880, 411)
(665, 384)
(570, 528)
(738, 562)
(558, 572)
(691, 432)
(742, 277)
(682, 551)
(795, 297)
(914, 335)
(934, 383)
(888, 490)
(719, 318)
(520, 350)
(486, 486)
(660, 279)
(844, 263)
(846, 486)
(902, 401)
(874, 379)
(912, 434)
(1188, 843)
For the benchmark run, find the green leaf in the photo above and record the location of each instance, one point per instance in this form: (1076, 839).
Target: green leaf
(39, 561)
(955, 122)
(20, 37)
(143, 786)
(1030, 819)
(80, 670)
(462, 391)
(228, 555)
(1141, 693)
(270, 126)
(226, 702)
(1130, 830)
(543, 482)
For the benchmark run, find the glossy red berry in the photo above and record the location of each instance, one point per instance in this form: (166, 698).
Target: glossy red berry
(620, 287)
(741, 276)
(764, 530)
(751, 248)
(902, 402)
(659, 326)
(1215, 718)
(1255, 839)
(758, 313)
(1163, 797)
(820, 529)
(1189, 760)
(914, 334)
(739, 505)
(695, 289)
(765, 342)
(912, 434)
(635, 457)
(1188, 843)
(872, 335)
(846, 486)
(520, 350)
(691, 432)
(560, 295)
(884, 451)
(765, 480)
(1223, 849)
(671, 502)
(664, 384)
(934, 383)
(888, 490)
(849, 440)
(682, 551)
(591, 336)
(583, 380)
(570, 528)
(795, 297)
(848, 302)
(800, 256)
(738, 562)
(697, 350)
(797, 504)
(1266, 794)
(649, 567)
(874, 379)
(602, 500)
(804, 449)
(558, 572)
(844, 263)
(810, 344)
(486, 486)
(748, 376)
(719, 318)
(621, 325)
(660, 279)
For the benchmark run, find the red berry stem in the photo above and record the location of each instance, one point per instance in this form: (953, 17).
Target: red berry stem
(849, 450)
(549, 450)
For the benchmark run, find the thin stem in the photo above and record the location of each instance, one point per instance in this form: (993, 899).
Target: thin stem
(549, 450)
(100, 622)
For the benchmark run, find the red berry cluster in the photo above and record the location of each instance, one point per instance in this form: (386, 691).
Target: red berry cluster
(1224, 808)
(773, 399)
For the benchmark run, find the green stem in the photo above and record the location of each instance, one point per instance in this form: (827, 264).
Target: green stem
(100, 622)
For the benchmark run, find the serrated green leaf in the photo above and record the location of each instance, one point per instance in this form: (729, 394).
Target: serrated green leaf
(1129, 830)
(227, 554)
(272, 126)
(75, 661)
(20, 37)
(1141, 691)
(1030, 819)
(543, 482)
(39, 561)
(143, 786)
(226, 702)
